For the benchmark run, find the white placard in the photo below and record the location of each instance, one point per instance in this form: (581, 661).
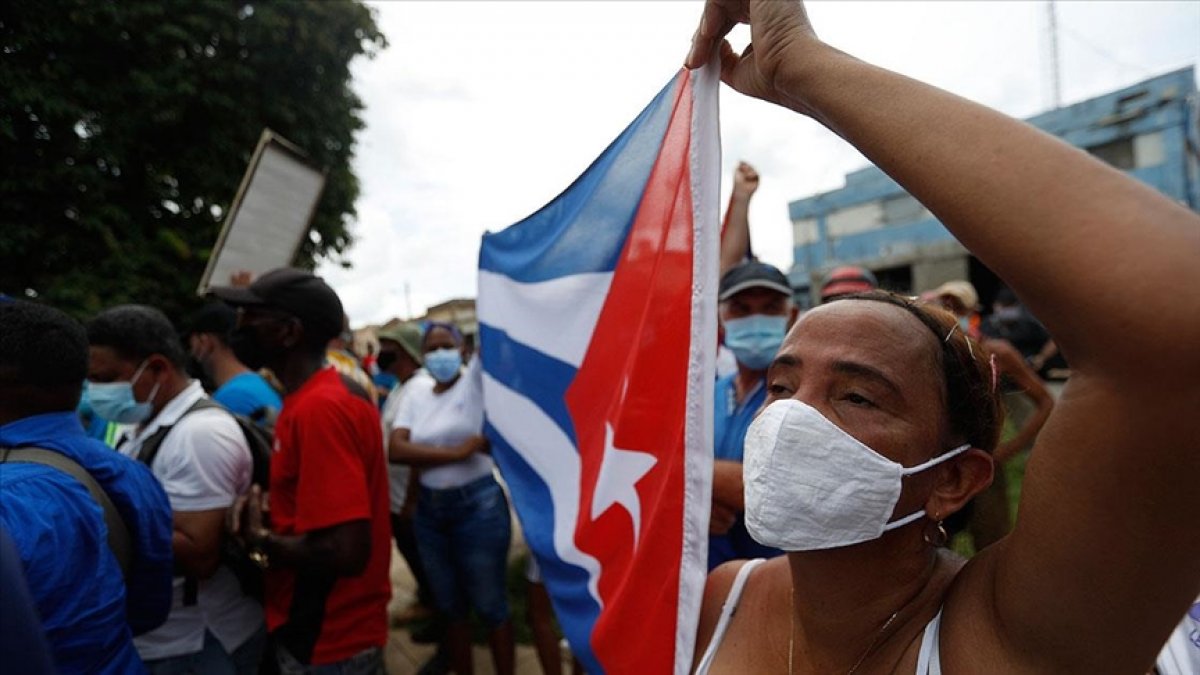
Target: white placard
(270, 215)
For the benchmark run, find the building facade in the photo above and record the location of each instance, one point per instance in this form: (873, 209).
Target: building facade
(1149, 130)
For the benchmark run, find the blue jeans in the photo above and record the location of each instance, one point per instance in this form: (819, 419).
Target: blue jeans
(464, 534)
(212, 659)
(366, 662)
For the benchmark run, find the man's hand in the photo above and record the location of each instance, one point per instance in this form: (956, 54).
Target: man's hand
(745, 181)
(246, 519)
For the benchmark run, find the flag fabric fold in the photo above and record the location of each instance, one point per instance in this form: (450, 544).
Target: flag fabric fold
(598, 333)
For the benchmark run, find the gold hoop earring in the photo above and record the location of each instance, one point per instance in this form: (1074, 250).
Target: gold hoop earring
(940, 537)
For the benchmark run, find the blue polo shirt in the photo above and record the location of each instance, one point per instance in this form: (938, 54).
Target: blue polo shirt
(731, 421)
(89, 613)
(247, 393)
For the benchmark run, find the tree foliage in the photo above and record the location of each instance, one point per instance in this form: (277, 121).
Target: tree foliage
(125, 128)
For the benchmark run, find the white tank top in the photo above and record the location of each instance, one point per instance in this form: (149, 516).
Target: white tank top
(928, 659)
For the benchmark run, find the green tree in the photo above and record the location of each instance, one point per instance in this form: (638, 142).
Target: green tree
(125, 128)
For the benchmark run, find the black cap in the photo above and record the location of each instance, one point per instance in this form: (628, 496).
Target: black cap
(753, 274)
(215, 317)
(297, 292)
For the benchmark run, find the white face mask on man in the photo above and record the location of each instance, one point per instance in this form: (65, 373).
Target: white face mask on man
(811, 486)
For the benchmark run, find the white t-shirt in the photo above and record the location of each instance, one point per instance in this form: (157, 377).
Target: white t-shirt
(202, 464)
(398, 473)
(446, 420)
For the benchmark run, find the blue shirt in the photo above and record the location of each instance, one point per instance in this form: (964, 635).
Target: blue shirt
(731, 421)
(21, 639)
(88, 611)
(247, 393)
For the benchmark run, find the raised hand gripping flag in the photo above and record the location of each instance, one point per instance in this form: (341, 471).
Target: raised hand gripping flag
(597, 332)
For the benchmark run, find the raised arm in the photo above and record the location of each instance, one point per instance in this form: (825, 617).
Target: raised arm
(1107, 535)
(735, 232)
(1009, 363)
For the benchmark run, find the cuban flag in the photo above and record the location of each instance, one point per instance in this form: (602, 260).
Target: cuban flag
(598, 333)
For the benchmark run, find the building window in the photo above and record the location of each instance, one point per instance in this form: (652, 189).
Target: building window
(1118, 153)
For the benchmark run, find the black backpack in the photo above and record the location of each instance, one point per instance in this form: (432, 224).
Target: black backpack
(261, 442)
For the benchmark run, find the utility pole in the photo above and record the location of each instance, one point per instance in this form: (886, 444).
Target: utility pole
(407, 302)
(1055, 83)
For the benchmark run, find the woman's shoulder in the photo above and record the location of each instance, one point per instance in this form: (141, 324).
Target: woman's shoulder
(766, 584)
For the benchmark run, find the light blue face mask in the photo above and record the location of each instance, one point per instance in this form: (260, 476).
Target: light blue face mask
(443, 364)
(115, 402)
(755, 339)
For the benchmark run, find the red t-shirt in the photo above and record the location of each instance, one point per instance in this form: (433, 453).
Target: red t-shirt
(328, 468)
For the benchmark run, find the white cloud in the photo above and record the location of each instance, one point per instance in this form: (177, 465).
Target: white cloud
(480, 112)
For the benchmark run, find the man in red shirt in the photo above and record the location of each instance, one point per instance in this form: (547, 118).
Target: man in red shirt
(326, 548)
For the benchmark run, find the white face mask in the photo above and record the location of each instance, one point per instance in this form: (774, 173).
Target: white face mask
(811, 486)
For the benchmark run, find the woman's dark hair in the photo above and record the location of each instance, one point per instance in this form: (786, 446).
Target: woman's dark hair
(972, 404)
(448, 327)
(973, 407)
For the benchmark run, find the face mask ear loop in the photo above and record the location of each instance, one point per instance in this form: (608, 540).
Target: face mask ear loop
(137, 374)
(936, 460)
(910, 518)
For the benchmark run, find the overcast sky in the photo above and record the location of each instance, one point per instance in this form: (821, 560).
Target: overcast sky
(481, 112)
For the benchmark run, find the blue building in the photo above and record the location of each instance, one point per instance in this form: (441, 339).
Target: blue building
(1149, 130)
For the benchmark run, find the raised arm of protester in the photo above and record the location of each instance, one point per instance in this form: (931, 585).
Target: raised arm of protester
(1107, 534)
(735, 232)
(1010, 364)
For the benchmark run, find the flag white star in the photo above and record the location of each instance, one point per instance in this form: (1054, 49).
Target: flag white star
(620, 470)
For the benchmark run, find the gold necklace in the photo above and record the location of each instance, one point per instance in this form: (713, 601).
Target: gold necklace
(870, 648)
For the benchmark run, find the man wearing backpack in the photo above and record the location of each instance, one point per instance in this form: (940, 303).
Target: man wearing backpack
(92, 528)
(326, 548)
(200, 455)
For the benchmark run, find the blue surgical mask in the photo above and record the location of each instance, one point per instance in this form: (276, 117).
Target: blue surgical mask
(115, 402)
(443, 364)
(755, 339)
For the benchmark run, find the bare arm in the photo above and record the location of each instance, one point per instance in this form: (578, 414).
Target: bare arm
(196, 541)
(1107, 536)
(342, 550)
(735, 233)
(404, 451)
(1010, 363)
(727, 484)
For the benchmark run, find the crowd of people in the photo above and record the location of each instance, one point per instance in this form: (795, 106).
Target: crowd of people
(220, 494)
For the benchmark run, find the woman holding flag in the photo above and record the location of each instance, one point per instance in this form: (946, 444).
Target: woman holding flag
(882, 414)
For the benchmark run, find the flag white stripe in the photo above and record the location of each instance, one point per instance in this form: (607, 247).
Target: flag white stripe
(552, 456)
(556, 317)
(704, 156)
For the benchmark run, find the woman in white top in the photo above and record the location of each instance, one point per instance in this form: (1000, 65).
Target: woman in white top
(876, 419)
(462, 521)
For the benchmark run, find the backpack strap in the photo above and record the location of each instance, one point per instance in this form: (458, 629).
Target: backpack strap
(118, 534)
(154, 441)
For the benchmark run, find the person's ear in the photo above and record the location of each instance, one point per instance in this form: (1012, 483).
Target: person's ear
(291, 333)
(958, 481)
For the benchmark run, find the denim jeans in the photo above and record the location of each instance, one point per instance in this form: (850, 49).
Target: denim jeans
(465, 533)
(212, 659)
(366, 662)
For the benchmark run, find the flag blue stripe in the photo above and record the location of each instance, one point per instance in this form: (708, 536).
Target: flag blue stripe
(584, 228)
(532, 374)
(567, 584)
